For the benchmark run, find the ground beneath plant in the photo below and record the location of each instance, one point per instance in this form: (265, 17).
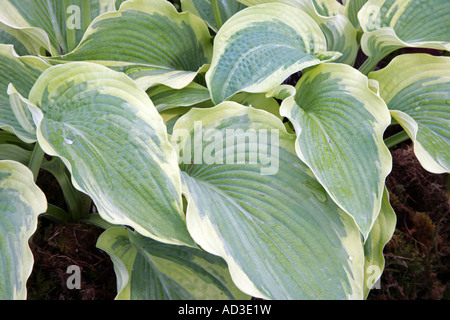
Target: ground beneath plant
(56, 247)
(417, 257)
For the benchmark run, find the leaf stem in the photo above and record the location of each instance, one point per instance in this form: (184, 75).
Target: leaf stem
(78, 203)
(56, 214)
(396, 139)
(368, 65)
(96, 220)
(216, 13)
(57, 28)
(36, 160)
(70, 30)
(85, 14)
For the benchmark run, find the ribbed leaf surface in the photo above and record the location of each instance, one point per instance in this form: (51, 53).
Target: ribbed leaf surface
(416, 88)
(21, 201)
(152, 270)
(280, 234)
(340, 123)
(114, 142)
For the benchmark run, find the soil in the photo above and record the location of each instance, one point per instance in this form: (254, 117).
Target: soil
(417, 257)
(56, 247)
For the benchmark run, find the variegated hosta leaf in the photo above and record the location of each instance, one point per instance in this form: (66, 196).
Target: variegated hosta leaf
(146, 269)
(149, 41)
(20, 107)
(12, 148)
(22, 72)
(325, 8)
(118, 3)
(203, 9)
(339, 124)
(341, 36)
(26, 41)
(379, 236)
(111, 137)
(352, 8)
(339, 31)
(392, 24)
(258, 101)
(56, 25)
(21, 201)
(165, 98)
(16, 153)
(328, 8)
(255, 204)
(260, 46)
(416, 88)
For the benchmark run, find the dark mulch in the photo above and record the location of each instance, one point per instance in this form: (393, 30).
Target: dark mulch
(417, 257)
(56, 247)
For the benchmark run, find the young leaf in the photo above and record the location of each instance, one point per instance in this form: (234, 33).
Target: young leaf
(150, 41)
(339, 124)
(338, 30)
(392, 24)
(260, 46)
(255, 204)
(416, 88)
(147, 269)
(21, 72)
(21, 201)
(114, 142)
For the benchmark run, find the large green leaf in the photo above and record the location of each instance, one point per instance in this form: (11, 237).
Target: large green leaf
(21, 72)
(149, 41)
(55, 25)
(416, 88)
(146, 269)
(260, 46)
(21, 201)
(203, 9)
(337, 28)
(339, 124)
(392, 24)
(254, 203)
(114, 142)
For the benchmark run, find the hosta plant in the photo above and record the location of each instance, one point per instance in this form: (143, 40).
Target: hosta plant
(172, 126)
